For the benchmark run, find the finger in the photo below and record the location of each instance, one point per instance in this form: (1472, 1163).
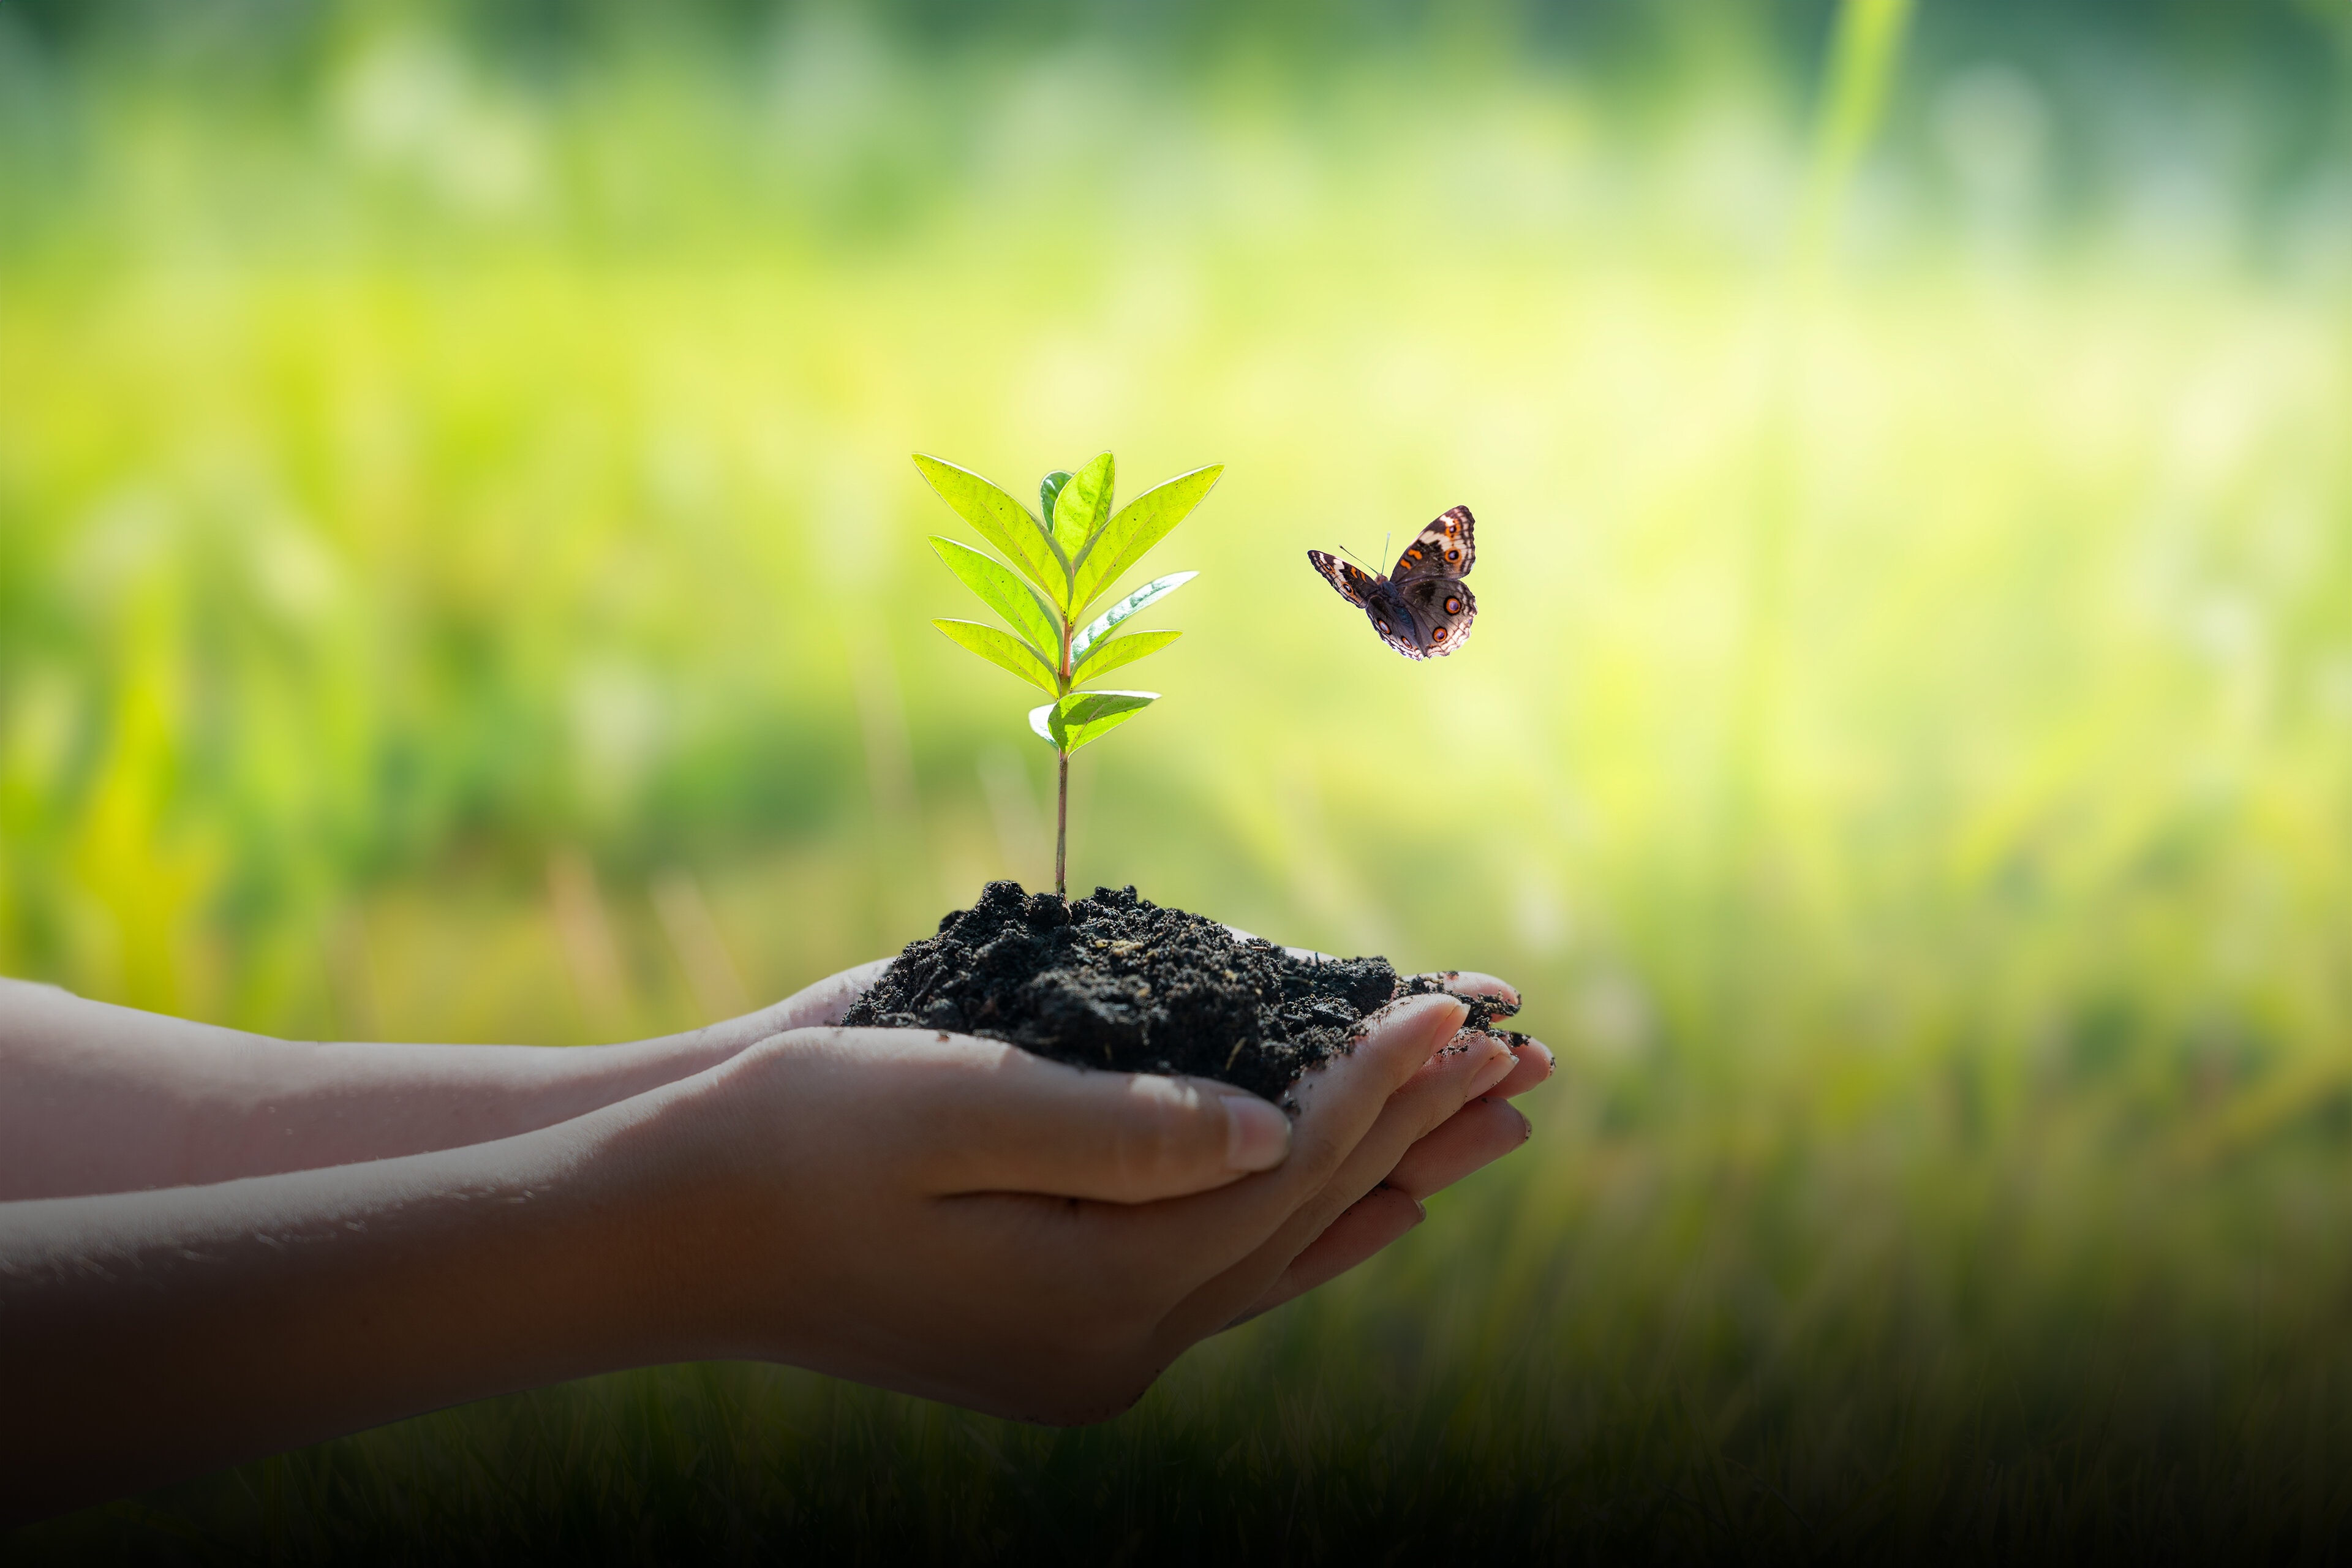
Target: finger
(1337, 1108)
(1436, 1091)
(1338, 1103)
(1342, 1101)
(1461, 982)
(1381, 1216)
(1303, 954)
(811, 1006)
(1471, 983)
(979, 1116)
(1535, 1065)
(826, 1001)
(1473, 1138)
(1534, 1058)
(1471, 1064)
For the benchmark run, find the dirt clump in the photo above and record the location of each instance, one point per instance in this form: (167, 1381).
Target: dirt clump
(1115, 981)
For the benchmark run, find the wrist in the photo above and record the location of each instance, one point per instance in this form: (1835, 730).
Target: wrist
(157, 1334)
(685, 1181)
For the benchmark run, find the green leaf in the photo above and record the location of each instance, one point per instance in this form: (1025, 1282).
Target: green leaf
(1139, 524)
(1008, 595)
(1112, 652)
(1047, 488)
(1081, 505)
(1157, 589)
(1003, 523)
(1002, 648)
(1084, 716)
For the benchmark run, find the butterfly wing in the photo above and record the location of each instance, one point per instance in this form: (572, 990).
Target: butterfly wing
(1389, 617)
(1440, 612)
(1425, 611)
(1354, 585)
(1445, 549)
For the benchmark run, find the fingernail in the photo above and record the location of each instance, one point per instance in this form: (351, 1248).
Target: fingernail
(1537, 1052)
(1257, 1136)
(1419, 1209)
(1493, 1072)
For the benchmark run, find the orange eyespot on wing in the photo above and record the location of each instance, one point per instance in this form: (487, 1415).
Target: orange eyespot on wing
(1446, 548)
(1442, 613)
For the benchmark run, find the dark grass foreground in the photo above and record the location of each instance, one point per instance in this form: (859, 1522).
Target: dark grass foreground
(2061, 1335)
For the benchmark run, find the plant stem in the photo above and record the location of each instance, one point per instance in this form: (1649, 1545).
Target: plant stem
(1062, 805)
(1062, 831)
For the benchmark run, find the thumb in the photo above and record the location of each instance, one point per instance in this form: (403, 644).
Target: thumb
(823, 1002)
(1015, 1123)
(811, 1006)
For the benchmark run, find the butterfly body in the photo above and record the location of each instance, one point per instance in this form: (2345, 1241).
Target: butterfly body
(1423, 608)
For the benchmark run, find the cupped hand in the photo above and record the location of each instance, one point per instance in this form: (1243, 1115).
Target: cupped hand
(955, 1218)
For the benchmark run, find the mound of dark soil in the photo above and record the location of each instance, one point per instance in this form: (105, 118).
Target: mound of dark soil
(1115, 981)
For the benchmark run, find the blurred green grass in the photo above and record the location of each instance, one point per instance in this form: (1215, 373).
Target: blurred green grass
(461, 578)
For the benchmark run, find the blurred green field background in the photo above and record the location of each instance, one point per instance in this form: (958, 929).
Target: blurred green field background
(461, 578)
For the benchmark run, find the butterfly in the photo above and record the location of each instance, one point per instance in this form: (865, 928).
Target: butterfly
(1423, 609)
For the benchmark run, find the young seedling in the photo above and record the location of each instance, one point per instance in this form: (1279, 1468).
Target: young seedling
(1070, 558)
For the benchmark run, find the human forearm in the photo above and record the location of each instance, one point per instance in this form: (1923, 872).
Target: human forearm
(96, 1099)
(931, 1213)
(149, 1335)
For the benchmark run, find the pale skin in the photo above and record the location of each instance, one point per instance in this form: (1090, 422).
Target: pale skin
(214, 1245)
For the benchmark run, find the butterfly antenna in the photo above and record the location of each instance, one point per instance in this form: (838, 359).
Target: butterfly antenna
(1359, 561)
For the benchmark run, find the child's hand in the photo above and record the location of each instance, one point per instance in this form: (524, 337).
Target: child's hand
(958, 1218)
